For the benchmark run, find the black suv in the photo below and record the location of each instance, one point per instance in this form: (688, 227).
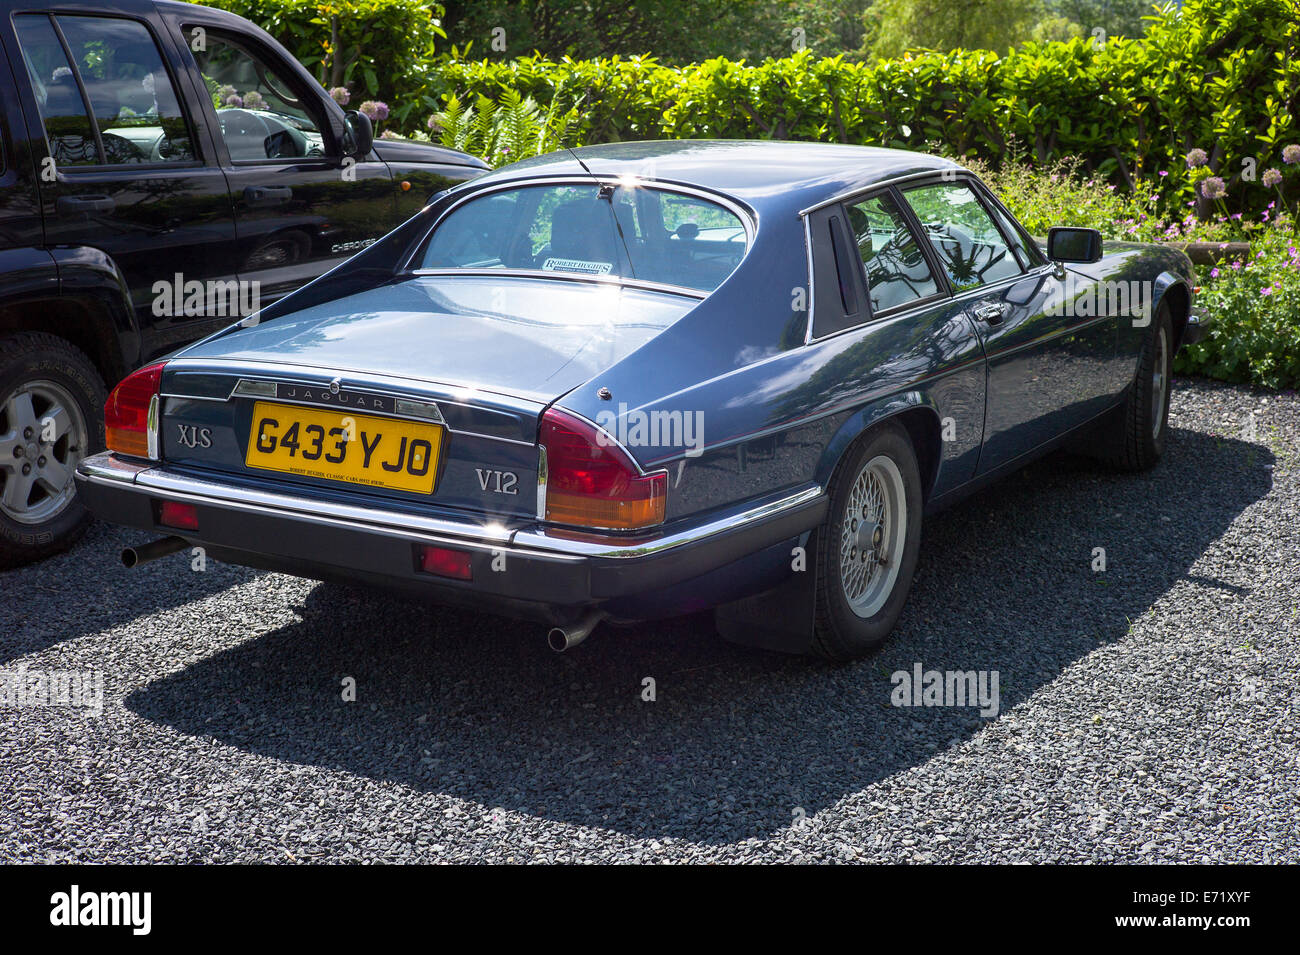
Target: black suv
(165, 169)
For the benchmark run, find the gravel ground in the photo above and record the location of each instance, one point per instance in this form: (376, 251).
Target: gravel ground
(1148, 713)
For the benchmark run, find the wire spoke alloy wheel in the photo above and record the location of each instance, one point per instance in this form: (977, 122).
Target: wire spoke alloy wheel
(43, 436)
(873, 534)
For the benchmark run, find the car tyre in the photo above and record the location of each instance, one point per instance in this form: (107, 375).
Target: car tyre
(1139, 433)
(868, 546)
(51, 410)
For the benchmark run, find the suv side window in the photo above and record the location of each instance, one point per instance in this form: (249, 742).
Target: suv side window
(969, 244)
(896, 269)
(113, 66)
(262, 114)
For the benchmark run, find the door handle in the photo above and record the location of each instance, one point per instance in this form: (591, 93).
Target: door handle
(992, 312)
(267, 195)
(85, 204)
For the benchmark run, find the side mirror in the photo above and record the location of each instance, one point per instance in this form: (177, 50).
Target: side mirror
(1068, 244)
(358, 136)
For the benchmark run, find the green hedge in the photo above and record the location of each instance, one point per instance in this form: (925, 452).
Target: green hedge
(1221, 75)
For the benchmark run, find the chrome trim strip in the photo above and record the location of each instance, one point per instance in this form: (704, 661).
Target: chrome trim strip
(107, 468)
(882, 183)
(171, 484)
(747, 216)
(812, 281)
(612, 281)
(535, 406)
(151, 427)
(543, 475)
(544, 540)
(274, 371)
(104, 468)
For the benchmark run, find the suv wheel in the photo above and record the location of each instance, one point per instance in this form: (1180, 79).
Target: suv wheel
(51, 398)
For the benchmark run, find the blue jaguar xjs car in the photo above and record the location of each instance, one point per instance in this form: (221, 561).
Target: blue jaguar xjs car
(646, 379)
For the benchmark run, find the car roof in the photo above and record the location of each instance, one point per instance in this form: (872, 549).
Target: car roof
(769, 175)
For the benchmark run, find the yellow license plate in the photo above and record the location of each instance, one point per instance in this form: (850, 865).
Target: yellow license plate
(340, 445)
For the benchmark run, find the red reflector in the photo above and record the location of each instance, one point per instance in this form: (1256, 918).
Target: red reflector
(182, 516)
(446, 563)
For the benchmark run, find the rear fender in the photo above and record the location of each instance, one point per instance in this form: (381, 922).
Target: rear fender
(913, 410)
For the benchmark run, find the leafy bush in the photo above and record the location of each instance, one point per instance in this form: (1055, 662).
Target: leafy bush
(1255, 303)
(514, 129)
(1220, 75)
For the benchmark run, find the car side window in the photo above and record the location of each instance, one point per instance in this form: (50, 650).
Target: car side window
(135, 115)
(1026, 249)
(971, 248)
(896, 270)
(260, 109)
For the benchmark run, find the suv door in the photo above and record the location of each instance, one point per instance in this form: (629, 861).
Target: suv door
(301, 207)
(123, 168)
(1047, 371)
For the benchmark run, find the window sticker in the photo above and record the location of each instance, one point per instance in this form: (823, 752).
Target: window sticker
(577, 265)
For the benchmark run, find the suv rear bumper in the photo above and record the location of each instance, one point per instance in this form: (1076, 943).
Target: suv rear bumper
(531, 570)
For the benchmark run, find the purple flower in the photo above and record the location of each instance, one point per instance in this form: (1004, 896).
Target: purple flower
(1266, 291)
(340, 95)
(1164, 172)
(1214, 273)
(253, 100)
(1291, 154)
(1196, 157)
(1213, 188)
(375, 109)
(1271, 178)
(234, 100)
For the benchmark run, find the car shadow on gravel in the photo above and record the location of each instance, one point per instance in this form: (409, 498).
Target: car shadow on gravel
(86, 590)
(736, 743)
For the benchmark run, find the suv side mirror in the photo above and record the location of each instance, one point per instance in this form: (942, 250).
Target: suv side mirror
(1068, 244)
(358, 136)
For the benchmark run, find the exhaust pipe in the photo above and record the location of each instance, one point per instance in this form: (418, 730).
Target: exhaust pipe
(134, 556)
(570, 635)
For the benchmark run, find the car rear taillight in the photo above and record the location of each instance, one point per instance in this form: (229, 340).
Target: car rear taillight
(592, 482)
(131, 413)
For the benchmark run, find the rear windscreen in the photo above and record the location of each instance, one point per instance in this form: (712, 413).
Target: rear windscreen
(633, 232)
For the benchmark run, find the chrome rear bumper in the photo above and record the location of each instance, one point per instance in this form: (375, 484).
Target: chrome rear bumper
(531, 563)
